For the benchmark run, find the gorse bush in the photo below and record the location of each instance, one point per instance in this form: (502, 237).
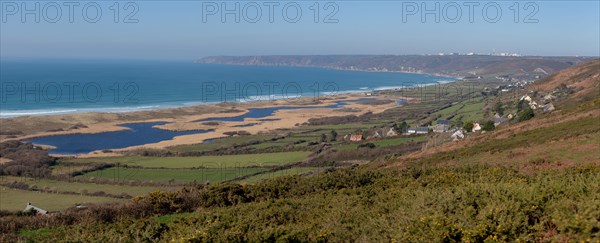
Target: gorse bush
(473, 203)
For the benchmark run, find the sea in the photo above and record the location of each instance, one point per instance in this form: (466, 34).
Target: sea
(37, 87)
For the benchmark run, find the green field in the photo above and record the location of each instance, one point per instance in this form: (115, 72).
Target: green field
(219, 143)
(66, 170)
(15, 200)
(178, 175)
(468, 110)
(66, 186)
(228, 161)
(287, 172)
(385, 142)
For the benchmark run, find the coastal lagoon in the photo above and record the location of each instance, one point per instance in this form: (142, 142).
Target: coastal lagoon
(40, 87)
(136, 134)
(145, 133)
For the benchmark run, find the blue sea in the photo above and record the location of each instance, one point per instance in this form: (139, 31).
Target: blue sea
(43, 87)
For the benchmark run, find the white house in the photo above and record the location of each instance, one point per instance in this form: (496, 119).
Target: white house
(418, 130)
(38, 211)
(526, 98)
(476, 127)
(391, 133)
(457, 135)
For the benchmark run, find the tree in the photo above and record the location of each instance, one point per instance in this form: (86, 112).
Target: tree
(521, 105)
(468, 126)
(499, 108)
(403, 128)
(323, 138)
(488, 126)
(458, 123)
(525, 115)
(334, 135)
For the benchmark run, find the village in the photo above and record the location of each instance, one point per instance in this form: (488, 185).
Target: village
(447, 130)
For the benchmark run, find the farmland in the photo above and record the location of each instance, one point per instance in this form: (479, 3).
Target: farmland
(51, 201)
(229, 161)
(79, 187)
(286, 172)
(175, 175)
(387, 142)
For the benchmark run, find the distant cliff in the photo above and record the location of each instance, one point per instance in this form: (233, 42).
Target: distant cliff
(455, 65)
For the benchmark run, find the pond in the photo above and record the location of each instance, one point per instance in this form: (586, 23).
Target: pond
(137, 134)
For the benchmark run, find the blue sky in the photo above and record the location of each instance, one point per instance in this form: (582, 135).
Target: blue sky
(176, 30)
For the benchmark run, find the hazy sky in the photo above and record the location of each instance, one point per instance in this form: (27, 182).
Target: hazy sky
(191, 29)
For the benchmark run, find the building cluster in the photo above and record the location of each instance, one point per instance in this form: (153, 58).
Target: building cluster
(545, 104)
(500, 54)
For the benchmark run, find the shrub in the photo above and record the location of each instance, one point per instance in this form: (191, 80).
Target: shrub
(526, 115)
(334, 135)
(26, 160)
(367, 145)
(488, 126)
(468, 126)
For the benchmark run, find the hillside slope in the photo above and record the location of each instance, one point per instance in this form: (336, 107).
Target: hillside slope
(585, 76)
(583, 80)
(524, 67)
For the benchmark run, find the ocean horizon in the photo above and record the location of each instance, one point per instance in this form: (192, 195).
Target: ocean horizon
(46, 87)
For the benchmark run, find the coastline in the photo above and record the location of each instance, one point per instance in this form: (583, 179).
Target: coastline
(369, 70)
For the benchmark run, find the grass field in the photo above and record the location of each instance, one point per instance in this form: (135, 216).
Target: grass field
(16, 200)
(178, 175)
(467, 110)
(287, 172)
(219, 143)
(385, 142)
(78, 187)
(66, 170)
(227, 161)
